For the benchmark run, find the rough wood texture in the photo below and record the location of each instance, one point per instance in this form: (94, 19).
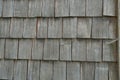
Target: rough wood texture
(33, 70)
(29, 28)
(59, 71)
(69, 27)
(109, 51)
(109, 7)
(46, 71)
(65, 49)
(118, 38)
(77, 7)
(4, 28)
(35, 8)
(84, 27)
(2, 46)
(94, 50)
(48, 8)
(113, 71)
(8, 7)
(79, 50)
(101, 71)
(51, 49)
(94, 7)
(62, 8)
(20, 70)
(37, 49)
(55, 28)
(42, 28)
(11, 48)
(6, 69)
(73, 71)
(20, 8)
(87, 71)
(104, 28)
(25, 47)
(1, 7)
(16, 28)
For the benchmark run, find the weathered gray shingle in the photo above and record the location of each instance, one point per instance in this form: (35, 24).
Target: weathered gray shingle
(11, 48)
(25, 47)
(94, 50)
(20, 70)
(4, 27)
(33, 70)
(69, 27)
(20, 8)
(84, 27)
(48, 8)
(79, 50)
(73, 71)
(1, 7)
(29, 28)
(8, 7)
(16, 28)
(94, 7)
(2, 48)
(51, 49)
(35, 8)
(77, 7)
(109, 51)
(55, 28)
(37, 49)
(62, 8)
(109, 7)
(65, 49)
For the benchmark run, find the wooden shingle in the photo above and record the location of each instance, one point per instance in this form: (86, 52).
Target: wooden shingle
(84, 27)
(11, 48)
(48, 8)
(62, 8)
(29, 28)
(20, 70)
(25, 47)
(16, 28)
(42, 28)
(113, 71)
(94, 7)
(87, 71)
(94, 50)
(109, 7)
(109, 51)
(55, 28)
(79, 50)
(6, 69)
(73, 71)
(4, 28)
(8, 7)
(77, 7)
(65, 49)
(35, 8)
(69, 27)
(104, 28)
(46, 71)
(51, 49)
(59, 71)
(33, 70)
(37, 49)
(101, 71)
(20, 8)
(2, 46)
(1, 7)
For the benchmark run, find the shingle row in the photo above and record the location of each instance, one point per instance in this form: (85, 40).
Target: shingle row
(104, 28)
(57, 8)
(52, 70)
(58, 49)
